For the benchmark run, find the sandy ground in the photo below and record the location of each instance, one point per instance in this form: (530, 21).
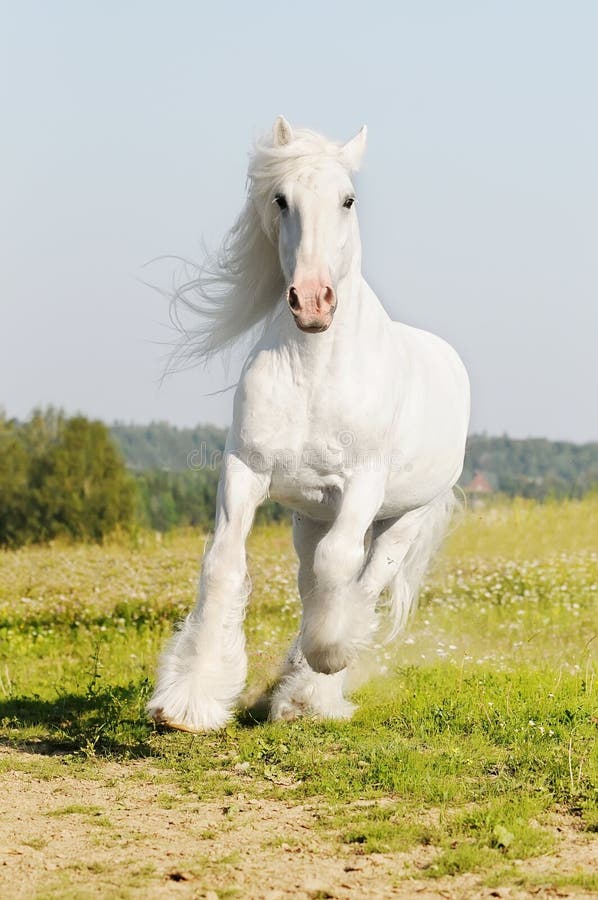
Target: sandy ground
(127, 835)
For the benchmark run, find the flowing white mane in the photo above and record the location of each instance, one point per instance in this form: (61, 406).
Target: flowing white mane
(239, 287)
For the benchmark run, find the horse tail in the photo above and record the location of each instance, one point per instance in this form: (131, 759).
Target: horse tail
(407, 583)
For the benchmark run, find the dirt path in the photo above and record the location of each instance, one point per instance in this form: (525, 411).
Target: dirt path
(128, 834)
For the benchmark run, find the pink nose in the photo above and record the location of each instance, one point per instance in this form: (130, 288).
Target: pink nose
(312, 303)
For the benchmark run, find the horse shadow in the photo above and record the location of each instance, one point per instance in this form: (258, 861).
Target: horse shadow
(110, 722)
(103, 722)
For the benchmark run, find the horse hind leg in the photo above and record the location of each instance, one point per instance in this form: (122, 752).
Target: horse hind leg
(400, 555)
(300, 691)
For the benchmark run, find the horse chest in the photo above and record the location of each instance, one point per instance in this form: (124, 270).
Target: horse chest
(306, 430)
(283, 405)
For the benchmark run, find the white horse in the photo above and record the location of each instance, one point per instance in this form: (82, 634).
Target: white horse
(356, 422)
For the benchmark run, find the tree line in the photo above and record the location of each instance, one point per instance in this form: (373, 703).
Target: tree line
(533, 467)
(72, 477)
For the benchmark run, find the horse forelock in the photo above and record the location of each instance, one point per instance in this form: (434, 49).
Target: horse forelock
(270, 165)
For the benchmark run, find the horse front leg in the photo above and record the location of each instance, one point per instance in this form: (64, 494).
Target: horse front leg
(300, 691)
(339, 616)
(203, 669)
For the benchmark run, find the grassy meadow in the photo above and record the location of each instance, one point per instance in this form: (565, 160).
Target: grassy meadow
(476, 733)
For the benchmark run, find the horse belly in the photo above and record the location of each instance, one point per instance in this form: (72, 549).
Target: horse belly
(417, 486)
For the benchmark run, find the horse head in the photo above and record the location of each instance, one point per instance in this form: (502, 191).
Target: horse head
(313, 219)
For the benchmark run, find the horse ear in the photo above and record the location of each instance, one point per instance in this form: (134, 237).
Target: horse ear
(282, 131)
(352, 152)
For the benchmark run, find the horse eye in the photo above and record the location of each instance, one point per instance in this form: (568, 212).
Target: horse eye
(349, 202)
(281, 201)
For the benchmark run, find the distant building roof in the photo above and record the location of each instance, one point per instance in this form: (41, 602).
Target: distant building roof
(479, 484)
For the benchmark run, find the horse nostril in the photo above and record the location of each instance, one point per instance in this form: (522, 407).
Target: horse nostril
(293, 299)
(328, 295)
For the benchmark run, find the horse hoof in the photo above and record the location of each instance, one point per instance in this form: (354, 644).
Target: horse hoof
(211, 716)
(158, 717)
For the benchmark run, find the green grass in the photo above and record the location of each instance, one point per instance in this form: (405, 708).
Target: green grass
(476, 726)
(75, 809)
(588, 881)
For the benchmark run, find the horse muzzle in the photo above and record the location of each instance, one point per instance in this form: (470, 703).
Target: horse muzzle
(312, 304)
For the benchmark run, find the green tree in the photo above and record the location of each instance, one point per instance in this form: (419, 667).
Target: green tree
(14, 475)
(61, 477)
(81, 485)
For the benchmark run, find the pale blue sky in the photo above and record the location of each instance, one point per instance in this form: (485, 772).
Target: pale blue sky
(125, 128)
